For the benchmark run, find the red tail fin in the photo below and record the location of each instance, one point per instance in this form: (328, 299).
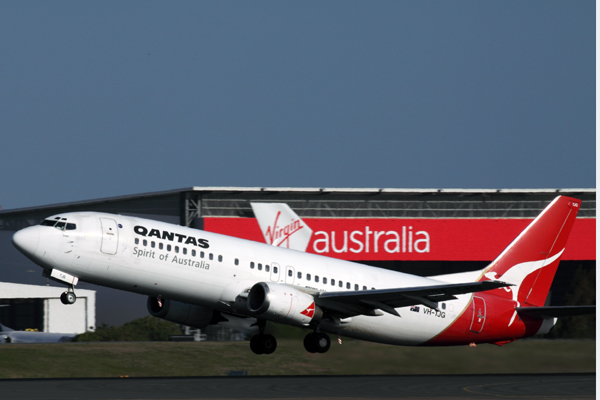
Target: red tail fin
(531, 260)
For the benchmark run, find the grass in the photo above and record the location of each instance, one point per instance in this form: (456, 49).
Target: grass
(147, 359)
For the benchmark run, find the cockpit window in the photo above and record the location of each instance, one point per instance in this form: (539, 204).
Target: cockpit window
(59, 224)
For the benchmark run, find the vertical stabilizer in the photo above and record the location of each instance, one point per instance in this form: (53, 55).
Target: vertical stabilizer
(531, 260)
(281, 226)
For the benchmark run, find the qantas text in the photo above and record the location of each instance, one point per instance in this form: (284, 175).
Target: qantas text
(165, 235)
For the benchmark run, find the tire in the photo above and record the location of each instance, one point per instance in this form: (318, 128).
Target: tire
(322, 342)
(256, 344)
(309, 343)
(70, 297)
(63, 298)
(269, 343)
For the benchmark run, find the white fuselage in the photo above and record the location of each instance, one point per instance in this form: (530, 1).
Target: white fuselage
(207, 269)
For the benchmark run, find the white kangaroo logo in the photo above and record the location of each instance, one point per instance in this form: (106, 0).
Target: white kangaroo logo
(517, 274)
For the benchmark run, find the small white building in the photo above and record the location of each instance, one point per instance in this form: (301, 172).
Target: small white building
(39, 307)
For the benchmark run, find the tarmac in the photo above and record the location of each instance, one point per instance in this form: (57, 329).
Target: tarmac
(421, 387)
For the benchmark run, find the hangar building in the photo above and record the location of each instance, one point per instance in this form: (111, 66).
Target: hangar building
(39, 308)
(438, 231)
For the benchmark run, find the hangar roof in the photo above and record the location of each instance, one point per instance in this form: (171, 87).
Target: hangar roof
(186, 206)
(308, 190)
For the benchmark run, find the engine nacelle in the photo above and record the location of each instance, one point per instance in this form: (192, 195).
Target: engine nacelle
(282, 303)
(180, 313)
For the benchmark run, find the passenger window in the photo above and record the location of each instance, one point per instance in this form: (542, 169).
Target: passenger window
(290, 272)
(308, 277)
(347, 285)
(152, 244)
(259, 267)
(137, 241)
(193, 253)
(184, 250)
(443, 306)
(160, 246)
(299, 275)
(201, 254)
(252, 265)
(210, 256)
(317, 278)
(341, 284)
(71, 227)
(220, 258)
(355, 287)
(176, 249)
(145, 243)
(237, 261)
(364, 288)
(324, 281)
(168, 247)
(333, 282)
(267, 267)
(275, 270)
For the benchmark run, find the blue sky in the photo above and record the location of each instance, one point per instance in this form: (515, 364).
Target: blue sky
(101, 99)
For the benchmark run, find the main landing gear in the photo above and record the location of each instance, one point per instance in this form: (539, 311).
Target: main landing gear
(317, 342)
(68, 297)
(263, 343)
(314, 342)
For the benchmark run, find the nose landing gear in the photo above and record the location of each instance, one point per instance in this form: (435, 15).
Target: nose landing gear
(68, 297)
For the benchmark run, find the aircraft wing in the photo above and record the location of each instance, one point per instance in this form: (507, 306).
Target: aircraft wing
(555, 311)
(367, 301)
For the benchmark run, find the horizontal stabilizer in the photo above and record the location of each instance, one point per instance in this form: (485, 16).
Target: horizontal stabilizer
(555, 311)
(365, 301)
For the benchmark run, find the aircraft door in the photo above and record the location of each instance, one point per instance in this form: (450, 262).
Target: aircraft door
(478, 314)
(289, 275)
(110, 236)
(275, 272)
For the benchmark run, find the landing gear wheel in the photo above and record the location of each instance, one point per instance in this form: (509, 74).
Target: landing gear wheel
(317, 342)
(269, 343)
(322, 342)
(263, 344)
(309, 343)
(68, 298)
(256, 345)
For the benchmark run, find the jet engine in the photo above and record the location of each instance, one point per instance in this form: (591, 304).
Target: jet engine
(181, 313)
(282, 303)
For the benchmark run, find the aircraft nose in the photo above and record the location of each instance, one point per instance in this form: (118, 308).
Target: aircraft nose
(26, 240)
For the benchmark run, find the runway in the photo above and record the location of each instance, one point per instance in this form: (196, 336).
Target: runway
(422, 387)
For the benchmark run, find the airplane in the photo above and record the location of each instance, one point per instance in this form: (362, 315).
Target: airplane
(8, 335)
(197, 278)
